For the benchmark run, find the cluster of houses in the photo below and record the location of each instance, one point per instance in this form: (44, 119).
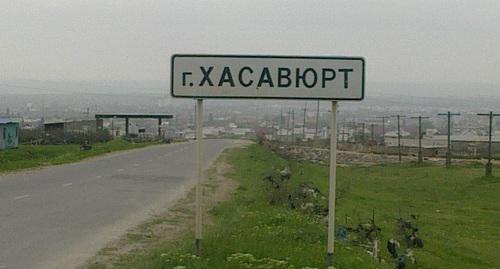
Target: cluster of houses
(433, 142)
(229, 131)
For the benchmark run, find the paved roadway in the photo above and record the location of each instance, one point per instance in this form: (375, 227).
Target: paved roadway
(59, 216)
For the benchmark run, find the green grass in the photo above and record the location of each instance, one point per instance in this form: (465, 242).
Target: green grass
(458, 215)
(28, 156)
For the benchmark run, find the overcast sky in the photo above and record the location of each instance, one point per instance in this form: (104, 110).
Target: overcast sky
(410, 40)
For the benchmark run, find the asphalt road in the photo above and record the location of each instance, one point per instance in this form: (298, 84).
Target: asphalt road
(58, 217)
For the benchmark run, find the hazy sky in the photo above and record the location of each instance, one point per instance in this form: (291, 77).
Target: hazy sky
(402, 40)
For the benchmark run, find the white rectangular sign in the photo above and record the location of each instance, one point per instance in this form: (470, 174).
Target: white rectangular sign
(275, 77)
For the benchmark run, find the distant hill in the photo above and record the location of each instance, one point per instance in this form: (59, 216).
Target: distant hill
(132, 87)
(455, 90)
(381, 98)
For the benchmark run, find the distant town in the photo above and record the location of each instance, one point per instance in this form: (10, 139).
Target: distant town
(48, 114)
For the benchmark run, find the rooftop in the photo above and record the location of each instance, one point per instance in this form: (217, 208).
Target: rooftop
(8, 120)
(133, 115)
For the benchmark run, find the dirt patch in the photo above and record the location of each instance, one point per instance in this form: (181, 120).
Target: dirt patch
(171, 225)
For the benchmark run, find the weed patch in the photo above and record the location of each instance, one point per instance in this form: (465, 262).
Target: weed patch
(457, 219)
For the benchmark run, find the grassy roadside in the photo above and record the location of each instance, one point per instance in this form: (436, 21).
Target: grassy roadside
(28, 156)
(457, 212)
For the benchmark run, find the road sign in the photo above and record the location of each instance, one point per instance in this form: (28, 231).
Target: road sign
(268, 77)
(274, 77)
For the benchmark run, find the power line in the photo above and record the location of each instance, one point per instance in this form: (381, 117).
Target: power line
(489, 165)
(448, 152)
(420, 135)
(399, 137)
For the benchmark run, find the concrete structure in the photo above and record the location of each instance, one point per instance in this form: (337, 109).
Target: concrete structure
(9, 133)
(128, 116)
(61, 128)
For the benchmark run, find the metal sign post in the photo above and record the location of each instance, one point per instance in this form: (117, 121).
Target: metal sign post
(269, 77)
(199, 191)
(332, 185)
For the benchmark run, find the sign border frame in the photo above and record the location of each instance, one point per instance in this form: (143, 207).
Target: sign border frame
(172, 60)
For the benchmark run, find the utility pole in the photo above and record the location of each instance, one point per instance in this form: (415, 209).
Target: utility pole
(420, 136)
(317, 121)
(304, 123)
(363, 126)
(383, 128)
(400, 158)
(355, 132)
(399, 140)
(280, 126)
(276, 129)
(343, 132)
(448, 152)
(43, 117)
(372, 131)
(288, 126)
(489, 165)
(113, 127)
